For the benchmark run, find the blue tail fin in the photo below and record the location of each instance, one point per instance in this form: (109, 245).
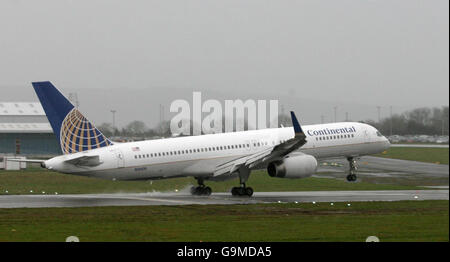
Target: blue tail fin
(297, 128)
(74, 132)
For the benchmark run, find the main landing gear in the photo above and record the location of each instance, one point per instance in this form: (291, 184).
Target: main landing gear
(243, 190)
(351, 177)
(201, 189)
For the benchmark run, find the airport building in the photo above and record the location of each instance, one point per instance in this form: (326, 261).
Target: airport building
(25, 130)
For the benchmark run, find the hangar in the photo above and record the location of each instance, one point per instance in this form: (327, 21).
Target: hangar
(25, 130)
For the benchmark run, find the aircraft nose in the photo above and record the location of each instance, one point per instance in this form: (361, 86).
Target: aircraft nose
(387, 144)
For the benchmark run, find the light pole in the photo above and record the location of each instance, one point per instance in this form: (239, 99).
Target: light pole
(114, 121)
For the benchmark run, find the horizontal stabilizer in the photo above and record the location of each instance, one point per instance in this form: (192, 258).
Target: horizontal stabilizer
(26, 160)
(85, 161)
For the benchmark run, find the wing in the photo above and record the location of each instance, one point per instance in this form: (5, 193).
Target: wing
(267, 155)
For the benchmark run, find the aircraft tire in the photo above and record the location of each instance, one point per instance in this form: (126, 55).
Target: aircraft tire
(207, 191)
(249, 191)
(234, 191)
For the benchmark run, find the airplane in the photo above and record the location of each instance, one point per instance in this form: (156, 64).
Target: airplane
(285, 152)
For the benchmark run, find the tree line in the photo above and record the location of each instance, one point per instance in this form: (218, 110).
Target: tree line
(420, 121)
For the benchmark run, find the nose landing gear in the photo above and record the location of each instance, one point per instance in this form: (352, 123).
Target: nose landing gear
(351, 177)
(201, 189)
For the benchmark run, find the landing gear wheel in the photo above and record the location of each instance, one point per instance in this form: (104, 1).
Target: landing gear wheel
(351, 178)
(207, 191)
(242, 191)
(201, 189)
(244, 174)
(352, 169)
(249, 191)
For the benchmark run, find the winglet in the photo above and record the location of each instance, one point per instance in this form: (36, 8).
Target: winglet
(297, 127)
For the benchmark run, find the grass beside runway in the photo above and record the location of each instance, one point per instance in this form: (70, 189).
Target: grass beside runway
(422, 154)
(389, 221)
(39, 181)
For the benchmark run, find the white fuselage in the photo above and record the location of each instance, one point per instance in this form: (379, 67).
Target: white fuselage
(198, 156)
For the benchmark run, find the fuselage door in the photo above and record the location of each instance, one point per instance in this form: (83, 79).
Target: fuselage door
(119, 157)
(366, 136)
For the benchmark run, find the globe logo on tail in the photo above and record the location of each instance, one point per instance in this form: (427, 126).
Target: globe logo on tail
(78, 134)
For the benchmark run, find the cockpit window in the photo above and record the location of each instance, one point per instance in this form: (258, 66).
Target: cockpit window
(379, 134)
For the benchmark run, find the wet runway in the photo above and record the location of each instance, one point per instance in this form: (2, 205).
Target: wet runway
(380, 165)
(368, 166)
(149, 199)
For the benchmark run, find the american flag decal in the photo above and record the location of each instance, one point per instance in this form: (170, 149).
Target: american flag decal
(136, 148)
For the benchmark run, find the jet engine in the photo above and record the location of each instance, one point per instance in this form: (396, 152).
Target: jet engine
(293, 167)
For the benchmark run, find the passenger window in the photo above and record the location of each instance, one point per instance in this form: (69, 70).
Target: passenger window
(135, 157)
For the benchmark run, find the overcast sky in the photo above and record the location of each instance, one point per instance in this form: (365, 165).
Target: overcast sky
(364, 52)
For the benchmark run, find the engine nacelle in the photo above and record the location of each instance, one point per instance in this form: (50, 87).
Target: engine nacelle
(293, 167)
